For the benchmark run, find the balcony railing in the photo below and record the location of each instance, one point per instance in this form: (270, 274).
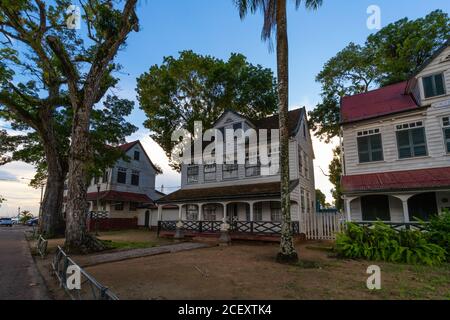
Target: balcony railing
(250, 227)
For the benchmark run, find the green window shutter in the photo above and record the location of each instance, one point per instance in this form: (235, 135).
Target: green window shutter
(439, 84)
(403, 143)
(428, 87)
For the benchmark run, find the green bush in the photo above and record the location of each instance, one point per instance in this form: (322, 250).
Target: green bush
(438, 231)
(381, 242)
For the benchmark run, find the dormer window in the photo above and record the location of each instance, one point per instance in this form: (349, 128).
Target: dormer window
(137, 155)
(434, 85)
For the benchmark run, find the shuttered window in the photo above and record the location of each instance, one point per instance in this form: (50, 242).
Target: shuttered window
(411, 140)
(434, 85)
(370, 148)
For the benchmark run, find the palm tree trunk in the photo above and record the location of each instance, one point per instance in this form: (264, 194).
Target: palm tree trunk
(287, 252)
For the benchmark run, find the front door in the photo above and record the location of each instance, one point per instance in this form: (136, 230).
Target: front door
(147, 219)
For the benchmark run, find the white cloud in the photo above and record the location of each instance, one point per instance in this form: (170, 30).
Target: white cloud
(16, 190)
(170, 178)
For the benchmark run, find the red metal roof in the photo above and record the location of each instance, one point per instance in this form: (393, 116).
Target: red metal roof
(127, 146)
(384, 101)
(119, 196)
(398, 180)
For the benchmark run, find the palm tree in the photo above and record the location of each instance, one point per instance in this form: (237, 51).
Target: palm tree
(275, 19)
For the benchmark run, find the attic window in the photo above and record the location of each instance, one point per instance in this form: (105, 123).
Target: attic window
(433, 85)
(137, 155)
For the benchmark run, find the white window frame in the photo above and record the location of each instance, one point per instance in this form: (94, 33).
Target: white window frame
(445, 127)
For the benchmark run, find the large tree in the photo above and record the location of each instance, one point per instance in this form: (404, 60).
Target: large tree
(391, 55)
(387, 57)
(193, 87)
(64, 69)
(275, 20)
(108, 127)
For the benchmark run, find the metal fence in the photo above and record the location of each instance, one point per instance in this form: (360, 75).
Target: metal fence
(41, 246)
(90, 289)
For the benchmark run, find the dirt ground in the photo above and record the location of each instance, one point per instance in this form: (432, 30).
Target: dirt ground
(248, 271)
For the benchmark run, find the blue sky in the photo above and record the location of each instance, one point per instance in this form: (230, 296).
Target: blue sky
(213, 27)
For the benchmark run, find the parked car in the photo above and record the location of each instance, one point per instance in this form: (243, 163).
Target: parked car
(15, 220)
(32, 222)
(7, 222)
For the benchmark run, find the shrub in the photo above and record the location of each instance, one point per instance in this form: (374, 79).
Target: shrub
(381, 242)
(438, 231)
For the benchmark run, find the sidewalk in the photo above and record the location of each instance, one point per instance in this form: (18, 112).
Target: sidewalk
(137, 253)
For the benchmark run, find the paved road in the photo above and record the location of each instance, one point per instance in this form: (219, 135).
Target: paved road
(19, 278)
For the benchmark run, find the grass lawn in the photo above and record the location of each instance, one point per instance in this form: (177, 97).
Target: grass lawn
(248, 271)
(119, 240)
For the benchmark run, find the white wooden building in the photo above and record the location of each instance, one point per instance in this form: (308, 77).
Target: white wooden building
(396, 147)
(239, 193)
(127, 191)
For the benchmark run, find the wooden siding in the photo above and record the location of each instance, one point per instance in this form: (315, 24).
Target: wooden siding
(437, 155)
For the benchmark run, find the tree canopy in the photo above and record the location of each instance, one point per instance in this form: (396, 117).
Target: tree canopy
(388, 56)
(50, 75)
(194, 87)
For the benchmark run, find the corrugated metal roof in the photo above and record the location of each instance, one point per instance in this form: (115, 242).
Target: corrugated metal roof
(398, 180)
(384, 101)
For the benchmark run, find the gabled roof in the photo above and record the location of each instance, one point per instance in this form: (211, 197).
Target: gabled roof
(373, 104)
(127, 146)
(271, 122)
(397, 181)
(238, 191)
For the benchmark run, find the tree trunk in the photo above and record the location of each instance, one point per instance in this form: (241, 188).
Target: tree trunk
(51, 221)
(77, 237)
(287, 253)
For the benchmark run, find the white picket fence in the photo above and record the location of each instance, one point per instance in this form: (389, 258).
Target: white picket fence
(322, 225)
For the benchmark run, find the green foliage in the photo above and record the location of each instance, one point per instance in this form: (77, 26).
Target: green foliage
(438, 231)
(335, 172)
(387, 57)
(25, 216)
(381, 242)
(321, 198)
(199, 88)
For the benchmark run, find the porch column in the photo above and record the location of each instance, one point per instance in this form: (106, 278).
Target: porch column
(200, 212)
(251, 211)
(160, 213)
(348, 207)
(180, 212)
(404, 199)
(224, 204)
(405, 210)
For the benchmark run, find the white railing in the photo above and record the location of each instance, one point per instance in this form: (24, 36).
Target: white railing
(322, 225)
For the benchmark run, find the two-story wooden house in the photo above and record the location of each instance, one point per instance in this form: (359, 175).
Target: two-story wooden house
(396, 147)
(239, 193)
(126, 192)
